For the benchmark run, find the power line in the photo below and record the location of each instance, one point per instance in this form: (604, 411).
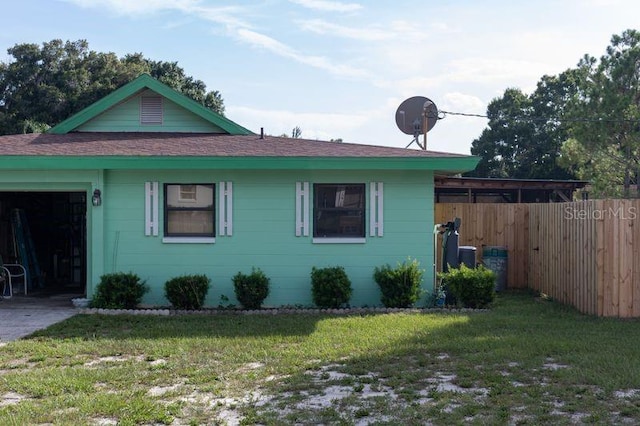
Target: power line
(464, 114)
(442, 114)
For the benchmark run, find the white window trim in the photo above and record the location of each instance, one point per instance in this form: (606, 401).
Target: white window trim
(329, 240)
(188, 240)
(196, 238)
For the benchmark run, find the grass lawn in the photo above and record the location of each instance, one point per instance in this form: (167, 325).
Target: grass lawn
(526, 361)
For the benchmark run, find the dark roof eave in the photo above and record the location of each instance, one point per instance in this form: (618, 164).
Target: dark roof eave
(477, 183)
(493, 179)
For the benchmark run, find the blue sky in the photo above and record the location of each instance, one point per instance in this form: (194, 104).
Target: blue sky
(340, 69)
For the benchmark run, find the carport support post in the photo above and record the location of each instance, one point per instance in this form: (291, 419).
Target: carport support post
(95, 255)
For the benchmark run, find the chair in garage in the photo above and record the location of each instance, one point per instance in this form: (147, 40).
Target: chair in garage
(5, 284)
(9, 274)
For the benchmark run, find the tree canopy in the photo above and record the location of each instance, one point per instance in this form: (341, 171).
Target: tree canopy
(525, 133)
(604, 144)
(583, 123)
(44, 85)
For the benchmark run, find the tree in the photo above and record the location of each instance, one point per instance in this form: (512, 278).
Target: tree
(296, 133)
(499, 145)
(173, 76)
(521, 141)
(550, 100)
(44, 85)
(605, 143)
(599, 167)
(584, 122)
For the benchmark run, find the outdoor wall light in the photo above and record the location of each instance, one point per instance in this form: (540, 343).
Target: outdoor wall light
(96, 200)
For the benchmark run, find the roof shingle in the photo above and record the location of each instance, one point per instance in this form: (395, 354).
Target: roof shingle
(194, 144)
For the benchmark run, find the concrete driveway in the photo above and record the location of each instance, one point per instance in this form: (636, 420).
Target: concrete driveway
(21, 316)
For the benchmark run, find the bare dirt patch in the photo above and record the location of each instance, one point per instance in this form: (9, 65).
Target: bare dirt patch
(112, 359)
(11, 398)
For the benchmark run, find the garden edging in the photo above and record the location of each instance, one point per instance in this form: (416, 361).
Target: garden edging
(274, 311)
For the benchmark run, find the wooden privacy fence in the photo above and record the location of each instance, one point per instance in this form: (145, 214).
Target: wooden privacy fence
(585, 253)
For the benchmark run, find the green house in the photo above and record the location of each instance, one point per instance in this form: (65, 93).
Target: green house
(148, 181)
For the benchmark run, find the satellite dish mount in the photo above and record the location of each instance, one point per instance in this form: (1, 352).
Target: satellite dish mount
(416, 116)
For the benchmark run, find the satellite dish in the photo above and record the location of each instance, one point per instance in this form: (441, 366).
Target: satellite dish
(417, 115)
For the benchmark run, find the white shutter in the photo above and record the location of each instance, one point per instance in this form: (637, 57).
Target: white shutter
(151, 205)
(225, 209)
(376, 209)
(302, 209)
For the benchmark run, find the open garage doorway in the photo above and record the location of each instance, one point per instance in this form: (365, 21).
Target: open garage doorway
(46, 233)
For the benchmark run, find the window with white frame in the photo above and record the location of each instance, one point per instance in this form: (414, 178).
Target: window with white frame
(189, 210)
(339, 210)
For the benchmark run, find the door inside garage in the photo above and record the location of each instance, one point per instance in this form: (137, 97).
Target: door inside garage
(46, 233)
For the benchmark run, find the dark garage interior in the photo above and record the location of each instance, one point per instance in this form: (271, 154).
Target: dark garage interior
(46, 233)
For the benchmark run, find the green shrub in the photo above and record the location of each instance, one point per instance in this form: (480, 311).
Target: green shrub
(330, 287)
(252, 289)
(187, 291)
(471, 287)
(400, 286)
(119, 290)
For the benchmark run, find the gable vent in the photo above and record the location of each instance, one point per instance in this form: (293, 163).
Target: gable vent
(151, 110)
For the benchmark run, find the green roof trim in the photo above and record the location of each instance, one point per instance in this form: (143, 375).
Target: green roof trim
(145, 81)
(446, 165)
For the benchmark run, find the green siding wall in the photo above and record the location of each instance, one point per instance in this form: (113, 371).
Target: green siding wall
(264, 233)
(125, 117)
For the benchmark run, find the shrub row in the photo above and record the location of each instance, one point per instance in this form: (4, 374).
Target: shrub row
(122, 290)
(400, 286)
(330, 288)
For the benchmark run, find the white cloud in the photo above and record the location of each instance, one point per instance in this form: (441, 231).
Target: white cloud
(225, 15)
(508, 72)
(455, 134)
(127, 7)
(222, 15)
(460, 102)
(313, 125)
(178, 23)
(606, 3)
(238, 28)
(319, 26)
(410, 32)
(412, 86)
(328, 6)
(265, 42)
